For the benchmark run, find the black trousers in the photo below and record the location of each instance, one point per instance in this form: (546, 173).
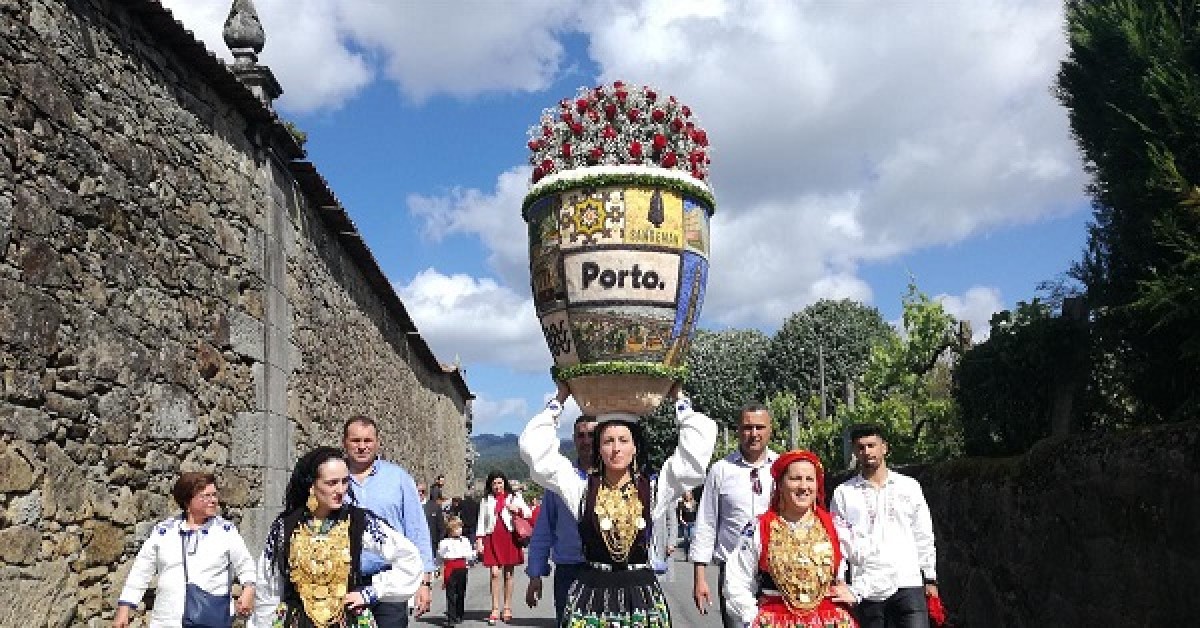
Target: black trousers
(905, 608)
(391, 614)
(456, 595)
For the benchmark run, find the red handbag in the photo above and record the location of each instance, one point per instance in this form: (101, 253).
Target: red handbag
(522, 530)
(937, 613)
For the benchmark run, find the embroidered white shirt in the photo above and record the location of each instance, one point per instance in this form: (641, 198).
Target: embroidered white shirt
(728, 504)
(215, 554)
(886, 535)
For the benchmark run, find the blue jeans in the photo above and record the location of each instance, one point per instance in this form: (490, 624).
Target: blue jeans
(564, 577)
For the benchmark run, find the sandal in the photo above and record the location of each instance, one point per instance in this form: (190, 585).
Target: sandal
(506, 616)
(493, 618)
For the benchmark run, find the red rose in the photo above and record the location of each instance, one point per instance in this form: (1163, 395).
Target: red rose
(658, 115)
(609, 132)
(660, 141)
(687, 111)
(593, 115)
(677, 124)
(635, 150)
(547, 166)
(695, 157)
(622, 95)
(700, 137)
(581, 105)
(547, 131)
(577, 128)
(650, 95)
(697, 174)
(595, 154)
(633, 115)
(566, 151)
(534, 144)
(669, 160)
(566, 117)
(610, 111)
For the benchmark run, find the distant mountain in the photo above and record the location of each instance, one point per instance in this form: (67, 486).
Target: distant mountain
(499, 452)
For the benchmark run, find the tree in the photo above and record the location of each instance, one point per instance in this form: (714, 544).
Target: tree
(723, 371)
(906, 386)
(843, 330)
(1131, 85)
(1004, 386)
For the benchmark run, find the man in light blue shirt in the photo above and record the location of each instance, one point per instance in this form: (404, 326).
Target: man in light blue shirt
(556, 533)
(390, 492)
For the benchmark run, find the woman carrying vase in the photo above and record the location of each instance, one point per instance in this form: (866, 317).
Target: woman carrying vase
(495, 543)
(214, 551)
(614, 506)
(784, 573)
(309, 575)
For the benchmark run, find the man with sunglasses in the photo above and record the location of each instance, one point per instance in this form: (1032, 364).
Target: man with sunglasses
(737, 489)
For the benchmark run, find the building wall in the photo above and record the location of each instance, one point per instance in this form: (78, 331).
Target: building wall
(173, 296)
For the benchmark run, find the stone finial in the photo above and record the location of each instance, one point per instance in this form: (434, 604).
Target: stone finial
(244, 32)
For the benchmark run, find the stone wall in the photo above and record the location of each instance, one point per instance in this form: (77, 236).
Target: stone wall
(178, 291)
(1081, 531)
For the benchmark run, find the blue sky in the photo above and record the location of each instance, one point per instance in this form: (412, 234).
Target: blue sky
(854, 144)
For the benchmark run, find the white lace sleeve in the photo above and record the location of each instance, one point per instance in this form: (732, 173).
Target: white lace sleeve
(547, 466)
(686, 466)
(408, 568)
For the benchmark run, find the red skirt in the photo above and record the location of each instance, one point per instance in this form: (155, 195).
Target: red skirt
(773, 612)
(499, 549)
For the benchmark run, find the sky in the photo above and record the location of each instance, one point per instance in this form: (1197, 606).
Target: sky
(855, 144)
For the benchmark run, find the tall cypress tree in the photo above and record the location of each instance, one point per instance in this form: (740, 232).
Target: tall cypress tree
(1131, 85)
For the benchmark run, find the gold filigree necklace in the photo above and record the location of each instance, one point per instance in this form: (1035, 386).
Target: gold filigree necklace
(800, 559)
(320, 568)
(619, 513)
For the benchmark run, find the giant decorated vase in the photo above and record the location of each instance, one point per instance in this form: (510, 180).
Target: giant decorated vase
(618, 214)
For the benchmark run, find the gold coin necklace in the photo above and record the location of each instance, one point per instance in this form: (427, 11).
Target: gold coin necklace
(619, 511)
(320, 568)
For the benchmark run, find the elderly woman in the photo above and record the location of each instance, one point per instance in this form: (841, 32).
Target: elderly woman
(494, 540)
(784, 573)
(211, 546)
(613, 506)
(309, 575)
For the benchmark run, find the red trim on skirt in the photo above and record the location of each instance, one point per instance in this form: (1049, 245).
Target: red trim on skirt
(773, 612)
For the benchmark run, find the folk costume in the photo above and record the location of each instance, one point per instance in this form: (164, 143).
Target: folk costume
(616, 585)
(309, 565)
(781, 573)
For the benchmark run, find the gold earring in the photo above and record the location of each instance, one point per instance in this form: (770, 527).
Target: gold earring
(311, 503)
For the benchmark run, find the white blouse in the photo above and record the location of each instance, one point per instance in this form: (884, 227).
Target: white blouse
(394, 585)
(485, 524)
(454, 547)
(215, 554)
(684, 470)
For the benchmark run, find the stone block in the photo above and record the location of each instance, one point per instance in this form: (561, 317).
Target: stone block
(63, 497)
(41, 265)
(173, 418)
(19, 545)
(104, 544)
(246, 335)
(247, 437)
(276, 390)
(280, 442)
(29, 319)
(65, 406)
(17, 474)
(26, 509)
(209, 363)
(24, 423)
(6, 215)
(48, 581)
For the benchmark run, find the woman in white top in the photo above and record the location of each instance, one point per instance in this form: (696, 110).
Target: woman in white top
(614, 505)
(214, 550)
(494, 540)
(310, 574)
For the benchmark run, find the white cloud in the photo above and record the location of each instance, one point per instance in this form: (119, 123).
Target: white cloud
(476, 320)
(976, 305)
(488, 410)
(490, 217)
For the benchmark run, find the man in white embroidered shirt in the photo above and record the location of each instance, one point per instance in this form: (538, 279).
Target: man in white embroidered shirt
(887, 538)
(737, 489)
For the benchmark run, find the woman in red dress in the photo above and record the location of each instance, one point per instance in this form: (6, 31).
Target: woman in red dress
(784, 572)
(495, 543)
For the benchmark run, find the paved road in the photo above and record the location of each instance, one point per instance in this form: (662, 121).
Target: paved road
(677, 584)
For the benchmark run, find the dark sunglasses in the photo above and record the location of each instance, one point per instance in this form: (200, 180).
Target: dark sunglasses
(755, 483)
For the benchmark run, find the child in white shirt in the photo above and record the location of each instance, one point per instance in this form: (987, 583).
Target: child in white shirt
(453, 553)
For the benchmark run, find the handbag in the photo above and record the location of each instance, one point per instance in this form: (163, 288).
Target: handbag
(202, 609)
(522, 530)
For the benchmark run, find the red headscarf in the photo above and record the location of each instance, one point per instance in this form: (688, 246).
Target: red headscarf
(783, 462)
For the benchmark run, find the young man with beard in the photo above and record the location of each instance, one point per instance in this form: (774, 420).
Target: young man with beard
(556, 533)
(736, 491)
(390, 492)
(887, 538)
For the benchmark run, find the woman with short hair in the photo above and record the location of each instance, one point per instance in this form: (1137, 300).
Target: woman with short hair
(211, 545)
